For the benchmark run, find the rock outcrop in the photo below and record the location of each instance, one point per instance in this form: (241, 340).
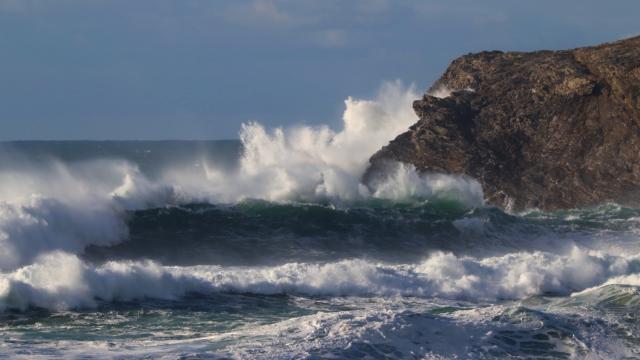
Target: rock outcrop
(546, 129)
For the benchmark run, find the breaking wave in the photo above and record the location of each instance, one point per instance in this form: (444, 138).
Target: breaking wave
(286, 245)
(61, 281)
(60, 206)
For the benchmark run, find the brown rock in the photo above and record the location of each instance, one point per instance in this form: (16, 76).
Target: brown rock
(546, 129)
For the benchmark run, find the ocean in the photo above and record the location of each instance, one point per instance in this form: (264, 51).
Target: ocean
(271, 247)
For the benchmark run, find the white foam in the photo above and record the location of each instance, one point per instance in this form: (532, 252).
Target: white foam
(54, 209)
(45, 224)
(375, 327)
(63, 207)
(441, 92)
(309, 163)
(59, 280)
(404, 182)
(443, 275)
(57, 207)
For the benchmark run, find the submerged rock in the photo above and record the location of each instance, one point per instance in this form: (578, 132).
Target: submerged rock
(545, 129)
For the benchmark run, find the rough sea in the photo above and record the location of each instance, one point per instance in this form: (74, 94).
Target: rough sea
(271, 248)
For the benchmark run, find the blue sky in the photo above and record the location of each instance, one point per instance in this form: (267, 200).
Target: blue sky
(197, 69)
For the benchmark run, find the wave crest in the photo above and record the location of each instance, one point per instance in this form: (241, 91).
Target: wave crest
(67, 207)
(61, 281)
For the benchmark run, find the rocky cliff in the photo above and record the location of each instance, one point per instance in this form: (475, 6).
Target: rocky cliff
(545, 129)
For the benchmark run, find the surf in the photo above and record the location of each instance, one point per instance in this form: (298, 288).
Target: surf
(277, 234)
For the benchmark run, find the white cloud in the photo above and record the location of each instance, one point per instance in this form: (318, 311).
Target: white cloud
(474, 12)
(256, 13)
(267, 10)
(373, 6)
(331, 38)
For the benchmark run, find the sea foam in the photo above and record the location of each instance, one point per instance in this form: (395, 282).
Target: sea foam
(66, 207)
(60, 280)
(308, 163)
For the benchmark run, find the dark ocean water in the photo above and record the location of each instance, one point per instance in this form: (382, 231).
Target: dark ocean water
(179, 250)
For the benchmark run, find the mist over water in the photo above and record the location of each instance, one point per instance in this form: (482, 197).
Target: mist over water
(51, 204)
(242, 248)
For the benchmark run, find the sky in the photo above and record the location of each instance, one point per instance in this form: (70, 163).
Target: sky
(197, 69)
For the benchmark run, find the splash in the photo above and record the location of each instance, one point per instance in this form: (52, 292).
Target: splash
(441, 92)
(62, 281)
(55, 208)
(66, 207)
(59, 281)
(307, 163)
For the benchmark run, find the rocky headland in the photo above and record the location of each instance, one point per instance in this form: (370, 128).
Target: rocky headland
(545, 129)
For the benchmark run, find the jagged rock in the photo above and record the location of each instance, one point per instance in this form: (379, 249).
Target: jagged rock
(545, 129)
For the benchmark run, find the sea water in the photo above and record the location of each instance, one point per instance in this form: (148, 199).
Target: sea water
(271, 247)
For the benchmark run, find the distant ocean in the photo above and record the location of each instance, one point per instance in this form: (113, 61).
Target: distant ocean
(270, 247)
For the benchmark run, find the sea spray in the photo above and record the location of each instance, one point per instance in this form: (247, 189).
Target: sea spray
(307, 163)
(59, 206)
(60, 280)
(413, 267)
(128, 250)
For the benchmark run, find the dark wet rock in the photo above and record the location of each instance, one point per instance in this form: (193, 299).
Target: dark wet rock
(545, 129)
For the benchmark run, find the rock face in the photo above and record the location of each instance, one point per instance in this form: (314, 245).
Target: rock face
(547, 129)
